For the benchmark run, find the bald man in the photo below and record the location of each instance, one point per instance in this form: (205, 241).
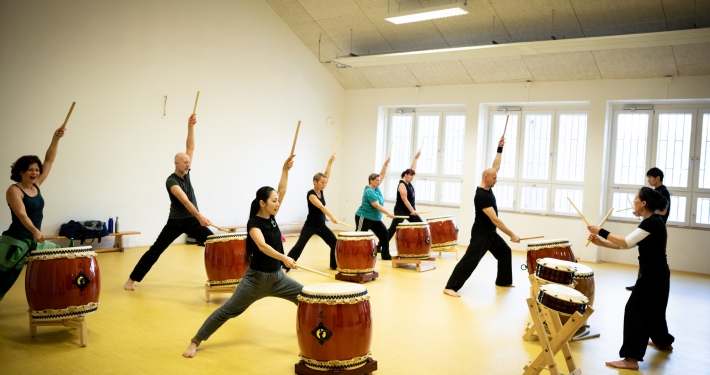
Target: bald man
(184, 216)
(484, 236)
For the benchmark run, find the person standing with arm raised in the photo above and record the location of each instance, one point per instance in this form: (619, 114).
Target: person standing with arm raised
(369, 215)
(184, 215)
(265, 256)
(315, 221)
(405, 203)
(484, 236)
(26, 209)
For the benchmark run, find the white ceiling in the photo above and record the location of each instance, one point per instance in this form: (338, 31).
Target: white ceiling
(515, 21)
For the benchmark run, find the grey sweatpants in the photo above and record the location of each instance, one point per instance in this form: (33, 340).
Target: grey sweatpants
(254, 286)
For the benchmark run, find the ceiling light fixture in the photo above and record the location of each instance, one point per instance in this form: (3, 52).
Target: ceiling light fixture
(426, 14)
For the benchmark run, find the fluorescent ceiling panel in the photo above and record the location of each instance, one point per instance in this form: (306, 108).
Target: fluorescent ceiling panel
(426, 14)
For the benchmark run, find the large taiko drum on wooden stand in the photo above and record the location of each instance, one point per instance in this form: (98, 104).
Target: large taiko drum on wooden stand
(444, 232)
(355, 252)
(559, 248)
(334, 326)
(225, 258)
(413, 241)
(62, 283)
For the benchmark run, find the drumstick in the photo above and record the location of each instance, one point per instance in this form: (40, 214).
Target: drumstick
(295, 137)
(602, 223)
(580, 214)
(422, 144)
(506, 124)
(391, 147)
(64, 125)
(625, 209)
(196, 99)
(347, 225)
(220, 228)
(298, 266)
(632, 205)
(401, 217)
(531, 238)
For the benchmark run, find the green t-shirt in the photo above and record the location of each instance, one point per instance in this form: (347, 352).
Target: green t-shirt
(366, 210)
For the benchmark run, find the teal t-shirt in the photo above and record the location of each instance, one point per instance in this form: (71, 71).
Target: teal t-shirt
(366, 210)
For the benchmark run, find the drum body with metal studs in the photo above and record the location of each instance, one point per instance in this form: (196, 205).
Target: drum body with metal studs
(355, 252)
(444, 232)
(413, 241)
(62, 283)
(562, 299)
(584, 282)
(225, 258)
(334, 326)
(556, 271)
(559, 248)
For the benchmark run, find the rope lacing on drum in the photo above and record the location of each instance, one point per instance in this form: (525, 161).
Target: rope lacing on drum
(345, 296)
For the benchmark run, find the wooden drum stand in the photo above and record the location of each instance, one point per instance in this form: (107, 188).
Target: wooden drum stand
(77, 322)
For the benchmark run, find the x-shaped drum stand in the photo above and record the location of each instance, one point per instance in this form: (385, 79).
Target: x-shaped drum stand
(561, 335)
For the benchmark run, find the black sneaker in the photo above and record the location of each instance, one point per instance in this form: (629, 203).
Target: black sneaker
(630, 287)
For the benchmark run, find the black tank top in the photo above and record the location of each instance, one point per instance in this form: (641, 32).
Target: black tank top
(33, 208)
(315, 217)
(400, 208)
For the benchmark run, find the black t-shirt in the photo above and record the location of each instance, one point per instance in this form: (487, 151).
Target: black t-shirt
(652, 249)
(399, 207)
(482, 224)
(272, 235)
(664, 192)
(177, 209)
(315, 217)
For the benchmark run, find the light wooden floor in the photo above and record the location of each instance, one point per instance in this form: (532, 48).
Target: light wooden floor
(417, 329)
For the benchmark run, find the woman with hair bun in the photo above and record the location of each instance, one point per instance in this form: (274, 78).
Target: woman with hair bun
(265, 256)
(645, 313)
(405, 203)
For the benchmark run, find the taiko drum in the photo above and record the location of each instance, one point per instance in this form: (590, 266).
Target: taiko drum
(413, 240)
(355, 252)
(225, 258)
(444, 232)
(558, 249)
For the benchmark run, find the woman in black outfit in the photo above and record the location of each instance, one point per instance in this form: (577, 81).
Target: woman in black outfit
(645, 313)
(404, 205)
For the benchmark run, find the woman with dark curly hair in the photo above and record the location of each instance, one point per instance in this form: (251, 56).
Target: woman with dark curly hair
(645, 313)
(26, 205)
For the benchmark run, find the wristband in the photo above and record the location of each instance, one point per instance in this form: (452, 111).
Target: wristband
(603, 233)
(500, 150)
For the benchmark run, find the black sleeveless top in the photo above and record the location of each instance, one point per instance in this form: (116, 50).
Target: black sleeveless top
(272, 236)
(315, 217)
(33, 208)
(399, 207)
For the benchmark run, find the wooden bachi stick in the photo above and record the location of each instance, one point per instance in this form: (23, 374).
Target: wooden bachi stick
(298, 266)
(531, 238)
(194, 110)
(295, 137)
(579, 212)
(64, 125)
(602, 223)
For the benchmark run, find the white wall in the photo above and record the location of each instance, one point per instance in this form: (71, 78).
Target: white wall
(687, 248)
(117, 60)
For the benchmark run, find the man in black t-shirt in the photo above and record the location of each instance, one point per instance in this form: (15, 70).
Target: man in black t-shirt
(184, 216)
(655, 180)
(484, 236)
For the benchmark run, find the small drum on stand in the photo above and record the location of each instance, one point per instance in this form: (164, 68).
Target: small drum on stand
(444, 232)
(551, 270)
(225, 256)
(62, 283)
(334, 327)
(62, 286)
(562, 299)
(558, 248)
(584, 282)
(413, 241)
(356, 255)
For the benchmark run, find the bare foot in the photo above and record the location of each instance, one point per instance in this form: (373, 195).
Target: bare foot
(627, 363)
(451, 293)
(129, 285)
(191, 350)
(668, 348)
(506, 286)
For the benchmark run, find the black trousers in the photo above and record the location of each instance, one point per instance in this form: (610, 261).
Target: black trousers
(476, 250)
(306, 233)
(645, 313)
(393, 227)
(172, 230)
(379, 229)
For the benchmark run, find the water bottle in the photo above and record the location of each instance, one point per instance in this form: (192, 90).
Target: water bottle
(116, 224)
(110, 225)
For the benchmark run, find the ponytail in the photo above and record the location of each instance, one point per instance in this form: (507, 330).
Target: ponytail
(654, 200)
(262, 194)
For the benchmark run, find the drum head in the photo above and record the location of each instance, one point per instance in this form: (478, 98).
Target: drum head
(412, 225)
(347, 235)
(583, 271)
(334, 290)
(546, 244)
(63, 252)
(440, 218)
(564, 293)
(558, 264)
(229, 236)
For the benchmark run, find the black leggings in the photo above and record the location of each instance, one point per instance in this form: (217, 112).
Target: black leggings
(306, 233)
(478, 247)
(172, 230)
(393, 227)
(379, 229)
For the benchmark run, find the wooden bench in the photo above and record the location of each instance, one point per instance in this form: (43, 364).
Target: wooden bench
(117, 244)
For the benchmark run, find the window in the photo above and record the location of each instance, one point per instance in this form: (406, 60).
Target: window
(676, 141)
(440, 136)
(542, 162)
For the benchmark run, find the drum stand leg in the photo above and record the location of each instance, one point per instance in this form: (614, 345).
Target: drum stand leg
(209, 290)
(77, 322)
(448, 249)
(420, 264)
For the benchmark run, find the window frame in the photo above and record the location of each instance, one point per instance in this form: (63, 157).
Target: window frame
(694, 208)
(654, 139)
(698, 149)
